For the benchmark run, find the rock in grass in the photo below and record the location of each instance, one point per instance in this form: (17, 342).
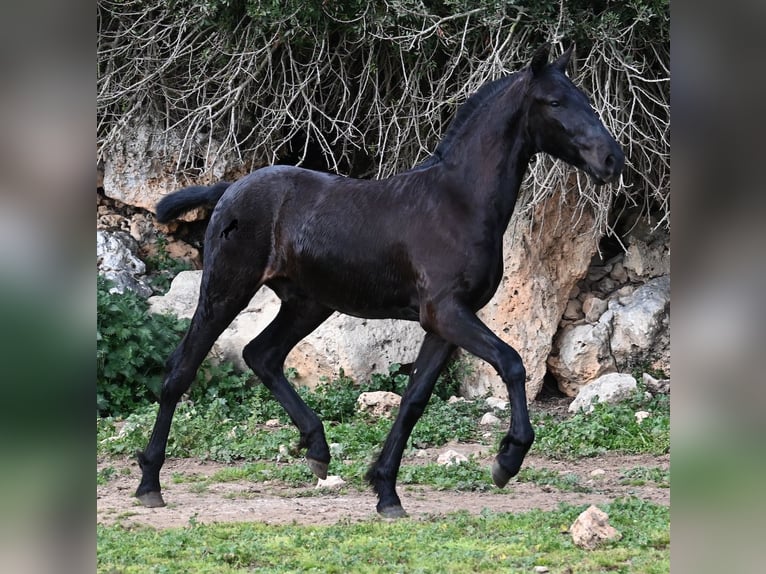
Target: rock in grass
(378, 403)
(641, 415)
(450, 457)
(592, 528)
(610, 388)
(497, 403)
(489, 420)
(331, 481)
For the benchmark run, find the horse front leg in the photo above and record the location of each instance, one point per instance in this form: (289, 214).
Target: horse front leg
(434, 354)
(460, 326)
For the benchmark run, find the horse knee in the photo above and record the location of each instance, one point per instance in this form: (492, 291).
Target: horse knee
(517, 373)
(513, 371)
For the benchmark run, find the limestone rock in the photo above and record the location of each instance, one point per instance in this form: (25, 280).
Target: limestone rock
(378, 403)
(656, 386)
(640, 323)
(646, 260)
(580, 354)
(489, 420)
(142, 166)
(451, 457)
(331, 482)
(642, 415)
(618, 273)
(116, 260)
(592, 527)
(497, 403)
(610, 388)
(573, 309)
(593, 307)
(543, 263)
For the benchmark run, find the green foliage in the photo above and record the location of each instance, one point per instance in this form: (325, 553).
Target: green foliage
(333, 400)
(442, 422)
(641, 475)
(132, 346)
(459, 542)
(465, 476)
(394, 381)
(457, 370)
(567, 482)
(105, 475)
(223, 419)
(607, 428)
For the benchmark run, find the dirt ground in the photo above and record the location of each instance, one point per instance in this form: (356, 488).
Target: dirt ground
(276, 503)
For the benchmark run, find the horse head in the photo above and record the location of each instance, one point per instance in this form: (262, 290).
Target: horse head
(561, 121)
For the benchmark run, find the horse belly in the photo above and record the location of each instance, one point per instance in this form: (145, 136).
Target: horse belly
(368, 287)
(360, 293)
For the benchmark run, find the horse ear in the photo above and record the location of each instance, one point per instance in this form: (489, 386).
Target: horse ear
(561, 63)
(540, 58)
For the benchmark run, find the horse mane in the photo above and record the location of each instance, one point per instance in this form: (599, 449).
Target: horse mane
(466, 112)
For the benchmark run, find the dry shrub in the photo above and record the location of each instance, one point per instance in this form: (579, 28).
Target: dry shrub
(367, 88)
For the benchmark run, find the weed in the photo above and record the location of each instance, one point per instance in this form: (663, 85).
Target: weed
(131, 348)
(567, 482)
(607, 428)
(442, 422)
(641, 475)
(105, 475)
(458, 369)
(466, 476)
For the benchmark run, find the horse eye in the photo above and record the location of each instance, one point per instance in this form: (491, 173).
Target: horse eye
(554, 103)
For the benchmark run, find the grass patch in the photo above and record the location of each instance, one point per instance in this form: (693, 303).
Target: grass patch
(641, 475)
(564, 481)
(226, 423)
(459, 542)
(466, 476)
(105, 475)
(607, 428)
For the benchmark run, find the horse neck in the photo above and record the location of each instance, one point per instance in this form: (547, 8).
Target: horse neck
(489, 167)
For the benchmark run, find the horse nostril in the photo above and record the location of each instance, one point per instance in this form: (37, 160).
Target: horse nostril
(610, 161)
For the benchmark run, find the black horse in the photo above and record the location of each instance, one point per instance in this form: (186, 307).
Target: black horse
(424, 245)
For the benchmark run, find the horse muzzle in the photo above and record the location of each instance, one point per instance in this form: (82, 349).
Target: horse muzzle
(606, 166)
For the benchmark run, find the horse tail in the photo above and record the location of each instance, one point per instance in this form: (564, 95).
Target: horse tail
(181, 201)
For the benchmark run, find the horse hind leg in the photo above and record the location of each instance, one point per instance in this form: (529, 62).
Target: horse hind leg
(218, 305)
(266, 355)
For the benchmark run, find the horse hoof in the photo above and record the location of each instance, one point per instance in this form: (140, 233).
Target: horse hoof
(318, 468)
(500, 476)
(392, 512)
(151, 499)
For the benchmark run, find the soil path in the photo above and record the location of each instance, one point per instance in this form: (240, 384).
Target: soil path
(276, 503)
